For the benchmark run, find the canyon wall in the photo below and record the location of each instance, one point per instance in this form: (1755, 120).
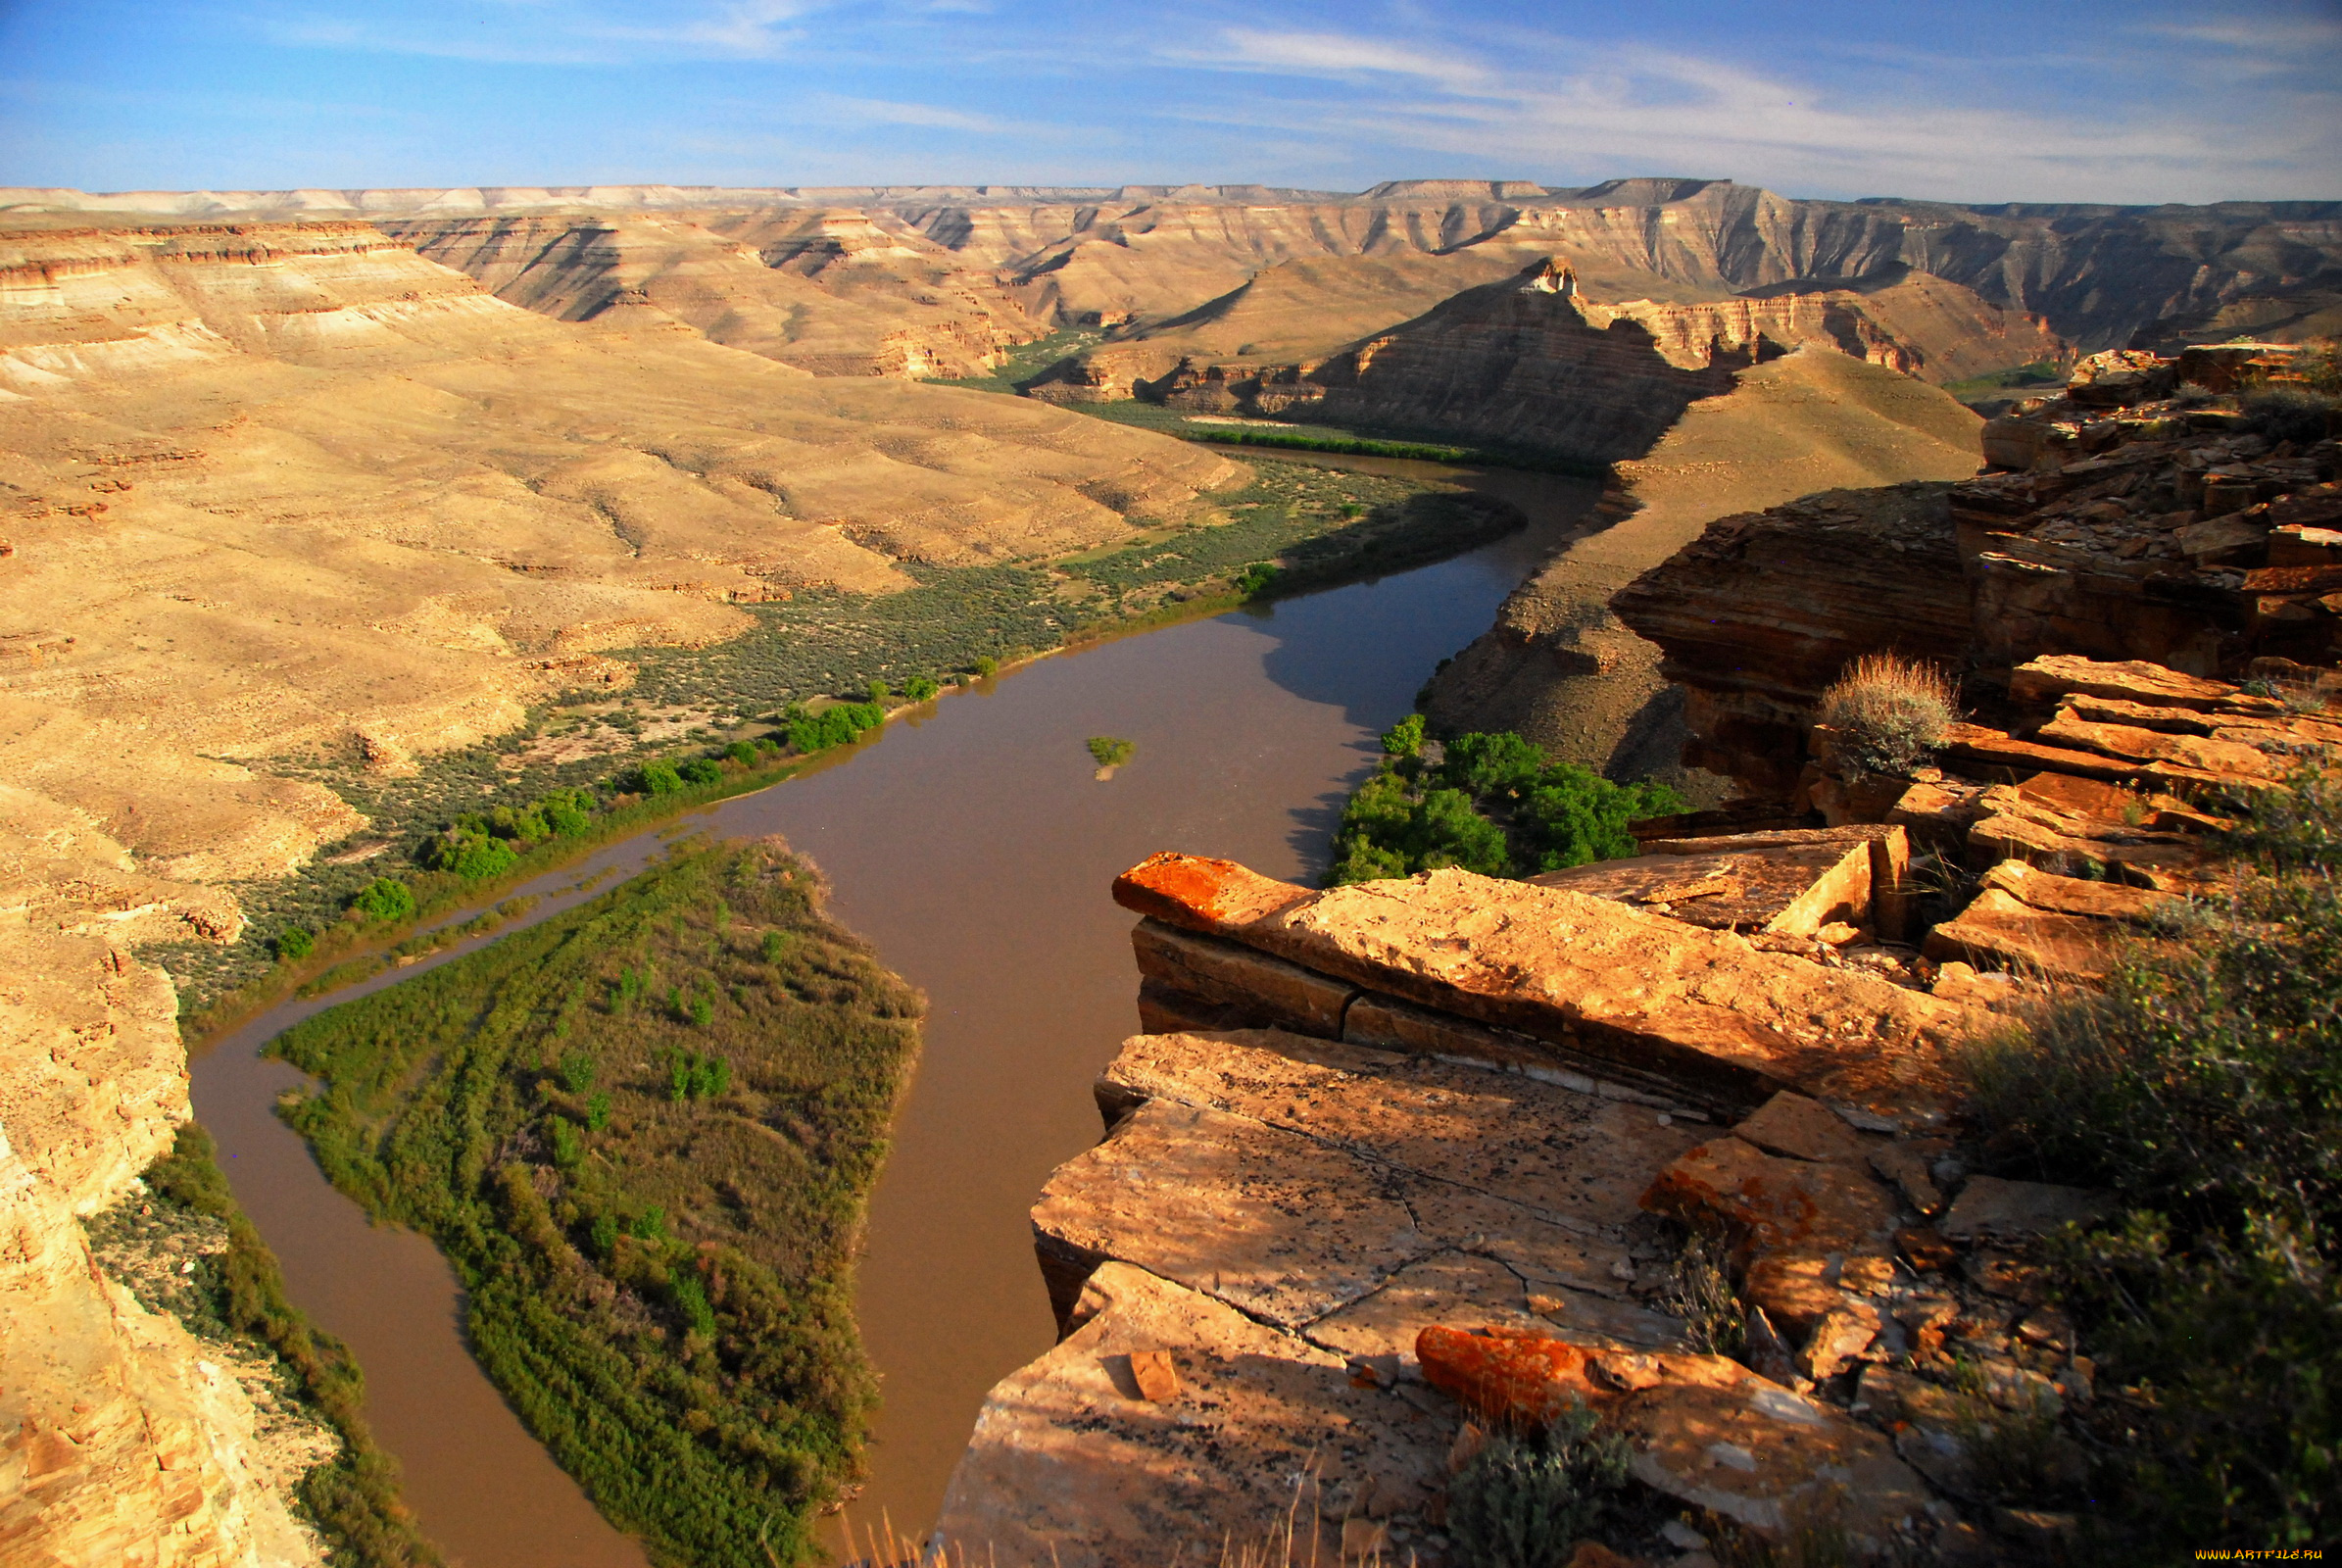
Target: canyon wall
(1141, 255)
(1558, 668)
(274, 494)
(127, 1443)
(2119, 521)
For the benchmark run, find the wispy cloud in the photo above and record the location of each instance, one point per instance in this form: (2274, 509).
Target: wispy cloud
(1568, 105)
(1341, 56)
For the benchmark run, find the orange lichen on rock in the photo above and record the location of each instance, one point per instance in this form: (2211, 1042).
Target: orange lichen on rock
(1201, 894)
(1515, 1381)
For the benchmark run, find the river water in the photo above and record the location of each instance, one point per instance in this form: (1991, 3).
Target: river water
(971, 843)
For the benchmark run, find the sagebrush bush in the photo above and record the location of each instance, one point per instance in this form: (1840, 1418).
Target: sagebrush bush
(1889, 712)
(1525, 1499)
(2301, 415)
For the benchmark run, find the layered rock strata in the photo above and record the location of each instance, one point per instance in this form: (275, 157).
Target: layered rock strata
(1559, 668)
(2119, 521)
(126, 1443)
(1475, 366)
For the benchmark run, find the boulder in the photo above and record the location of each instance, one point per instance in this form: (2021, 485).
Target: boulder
(1794, 1125)
(1997, 931)
(1783, 883)
(2045, 680)
(1989, 1209)
(1774, 1205)
(1728, 1021)
(1769, 1460)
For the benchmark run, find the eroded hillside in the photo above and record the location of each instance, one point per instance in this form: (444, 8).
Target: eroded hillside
(267, 488)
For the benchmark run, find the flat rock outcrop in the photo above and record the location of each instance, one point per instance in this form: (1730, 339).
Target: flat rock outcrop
(1309, 1266)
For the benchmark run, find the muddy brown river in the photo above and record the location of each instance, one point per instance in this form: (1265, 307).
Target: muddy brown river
(972, 845)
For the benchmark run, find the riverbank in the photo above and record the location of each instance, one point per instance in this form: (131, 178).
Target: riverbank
(644, 1132)
(1244, 723)
(1297, 526)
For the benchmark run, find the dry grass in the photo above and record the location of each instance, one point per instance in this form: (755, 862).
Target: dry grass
(1889, 712)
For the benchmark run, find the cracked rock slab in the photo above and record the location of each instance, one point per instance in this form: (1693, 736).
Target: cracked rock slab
(1069, 1465)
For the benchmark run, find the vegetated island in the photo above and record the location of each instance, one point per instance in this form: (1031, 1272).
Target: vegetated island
(1110, 752)
(645, 1132)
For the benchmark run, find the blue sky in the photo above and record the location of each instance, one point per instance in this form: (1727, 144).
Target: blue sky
(2056, 100)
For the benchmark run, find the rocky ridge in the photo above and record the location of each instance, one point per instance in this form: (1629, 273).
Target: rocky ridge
(2121, 520)
(1387, 1169)
(128, 1441)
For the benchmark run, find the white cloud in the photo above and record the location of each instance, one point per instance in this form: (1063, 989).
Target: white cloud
(879, 112)
(1341, 56)
(1573, 109)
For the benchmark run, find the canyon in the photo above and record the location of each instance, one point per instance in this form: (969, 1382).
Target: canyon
(371, 476)
(1390, 1171)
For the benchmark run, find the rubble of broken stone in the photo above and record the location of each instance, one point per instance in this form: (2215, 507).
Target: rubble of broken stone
(2139, 515)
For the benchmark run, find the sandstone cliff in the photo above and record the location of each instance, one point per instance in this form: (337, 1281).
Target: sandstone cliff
(2118, 523)
(1094, 256)
(1560, 669)
(125, 1445)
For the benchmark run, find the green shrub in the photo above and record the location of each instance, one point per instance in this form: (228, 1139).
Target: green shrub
(703, 1013)
(880, 692)
(468, 852)
(1257, 579)
(920, 688)
(1494, 805)
(690, 1305)
(742, 752)
(567, 1148)
(773, 945)
(1889, 712)
(1110, 751)
(987, 668)
(295, 942)
(384, 899)
(656, 778)
(564, 819)
(2204, 1088)
(700, 770)
(1525, 1499)
(834, 726)
(576, 1071)
(597, 1112)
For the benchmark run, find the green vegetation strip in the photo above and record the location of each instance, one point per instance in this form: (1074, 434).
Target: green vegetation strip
(644, 1132)
(238, 1296)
